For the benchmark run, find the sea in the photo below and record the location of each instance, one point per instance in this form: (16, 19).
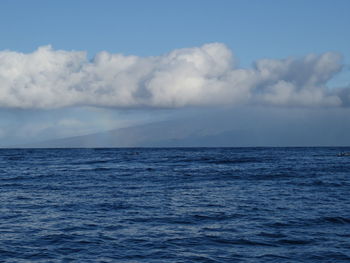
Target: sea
(175, 205)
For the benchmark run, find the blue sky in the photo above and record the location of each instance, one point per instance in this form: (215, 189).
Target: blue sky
(251, 30)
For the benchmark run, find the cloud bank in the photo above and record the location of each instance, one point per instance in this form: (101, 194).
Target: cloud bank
(199, 76)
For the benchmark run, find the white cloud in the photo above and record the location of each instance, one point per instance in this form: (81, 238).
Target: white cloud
(205, 75)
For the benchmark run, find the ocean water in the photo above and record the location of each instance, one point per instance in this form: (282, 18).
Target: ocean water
(175, 205)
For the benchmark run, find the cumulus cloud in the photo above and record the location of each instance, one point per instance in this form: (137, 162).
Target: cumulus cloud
(206, 75)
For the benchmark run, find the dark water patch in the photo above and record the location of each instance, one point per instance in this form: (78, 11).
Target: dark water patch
(92, 162)
(326, 221)
(235, 161)
(272, 176)
(39, 256)
(15, 158)
(274, 258)
(239, 241)
(328, 256)
(113, 206)
(321, 183)
(271, 235)
(15, 178)
(336, 220)
(283, 225)
(11, 185)
(294, 242)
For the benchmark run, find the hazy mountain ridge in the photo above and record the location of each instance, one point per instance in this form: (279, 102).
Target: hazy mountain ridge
(232, 128)
(160, 134)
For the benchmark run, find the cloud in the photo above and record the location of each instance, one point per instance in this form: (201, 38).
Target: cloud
(199, 76)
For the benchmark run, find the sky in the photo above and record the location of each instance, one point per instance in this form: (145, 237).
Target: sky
(76, 67)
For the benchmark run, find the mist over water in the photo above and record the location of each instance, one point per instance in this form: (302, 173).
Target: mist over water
(175, 205)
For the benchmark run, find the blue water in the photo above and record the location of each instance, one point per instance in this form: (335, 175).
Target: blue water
(175, 205)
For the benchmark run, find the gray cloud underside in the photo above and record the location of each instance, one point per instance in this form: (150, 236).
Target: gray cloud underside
(198, 76)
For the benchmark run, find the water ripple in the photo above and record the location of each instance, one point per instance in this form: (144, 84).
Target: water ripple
(174, 205)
